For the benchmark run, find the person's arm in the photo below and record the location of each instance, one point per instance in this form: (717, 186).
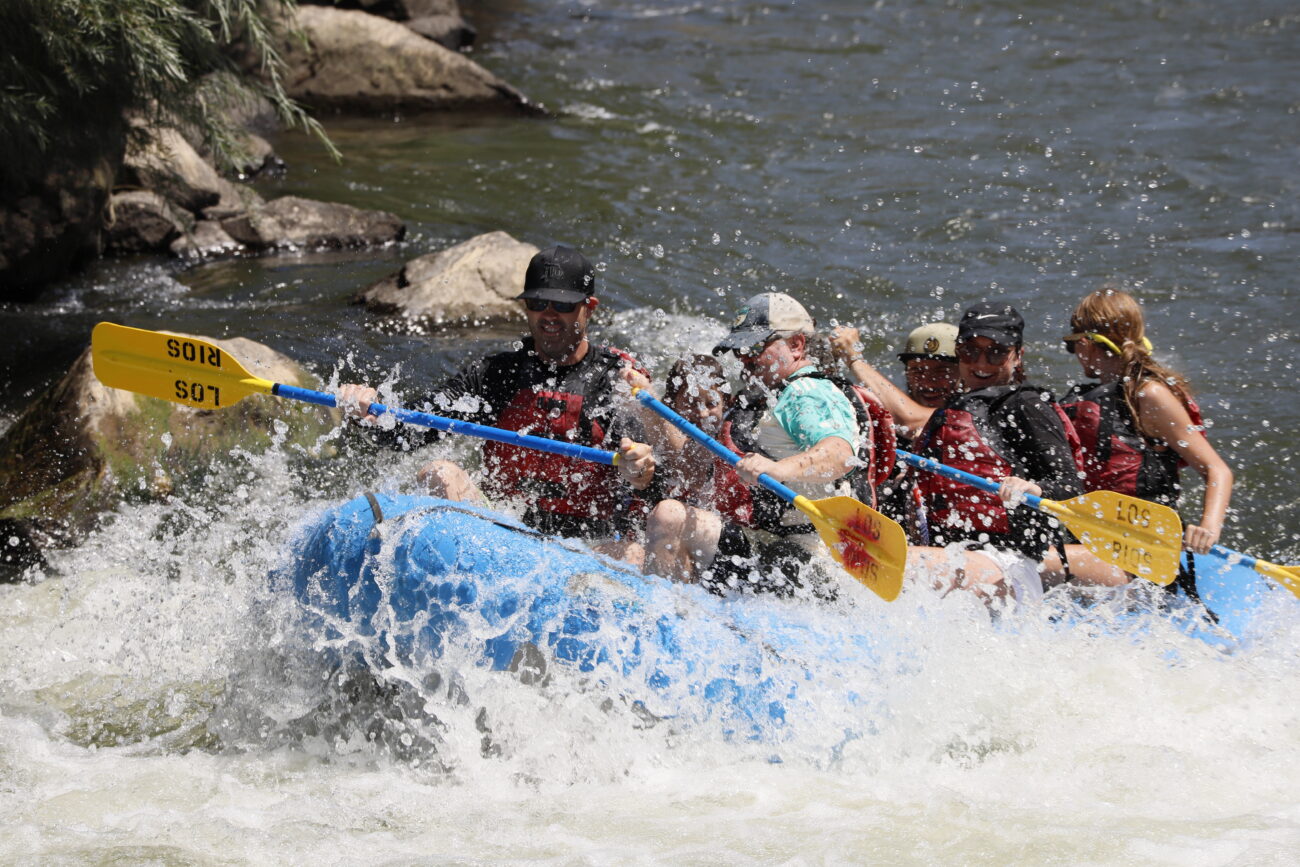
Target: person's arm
(826, 461)
(907, 413)
(1164, 415)
(462, 397)
(662, 435)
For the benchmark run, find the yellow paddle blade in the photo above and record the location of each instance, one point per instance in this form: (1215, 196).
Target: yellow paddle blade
(171, 366)
(870, 547)
(1287, 576)
(1138, 536)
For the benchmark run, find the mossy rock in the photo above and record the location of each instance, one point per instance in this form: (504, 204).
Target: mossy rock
(82, 448)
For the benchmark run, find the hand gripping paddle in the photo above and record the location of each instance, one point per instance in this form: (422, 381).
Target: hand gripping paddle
(1137, 536)
(197, 373)
(870, 547)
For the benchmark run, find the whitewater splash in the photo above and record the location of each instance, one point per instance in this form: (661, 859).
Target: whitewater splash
(161, 677)
(160, 698)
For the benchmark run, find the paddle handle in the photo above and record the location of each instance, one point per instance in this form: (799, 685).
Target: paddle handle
(726, 454)
(449, 425)
(932, 466)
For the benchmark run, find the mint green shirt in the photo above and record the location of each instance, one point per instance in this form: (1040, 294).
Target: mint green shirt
(811, 409)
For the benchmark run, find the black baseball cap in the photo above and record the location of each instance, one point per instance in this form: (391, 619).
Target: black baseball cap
(559, 274)
(998, 322)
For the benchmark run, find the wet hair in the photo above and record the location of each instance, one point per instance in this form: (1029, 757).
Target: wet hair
(1116, 315)
(694, 374)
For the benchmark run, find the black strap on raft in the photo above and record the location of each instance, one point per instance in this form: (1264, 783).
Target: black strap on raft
(375, 508)
(1187, 580)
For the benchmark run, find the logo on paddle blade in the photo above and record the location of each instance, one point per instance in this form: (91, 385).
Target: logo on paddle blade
(853, 539)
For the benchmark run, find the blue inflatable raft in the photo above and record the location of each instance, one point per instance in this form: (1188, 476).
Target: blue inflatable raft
(408, 580)
(401, 580)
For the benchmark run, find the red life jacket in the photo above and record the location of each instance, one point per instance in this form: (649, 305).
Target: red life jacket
(553, 483)
(965, 434)
(1116, 456)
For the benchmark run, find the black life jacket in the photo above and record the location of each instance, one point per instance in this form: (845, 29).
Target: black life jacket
(968, 433)
(1116, 456)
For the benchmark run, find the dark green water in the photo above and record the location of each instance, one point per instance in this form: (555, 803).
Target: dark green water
(886, 163)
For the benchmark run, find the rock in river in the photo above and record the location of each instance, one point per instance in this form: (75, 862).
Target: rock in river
(357, 62)
(471, 283)
(81, 449)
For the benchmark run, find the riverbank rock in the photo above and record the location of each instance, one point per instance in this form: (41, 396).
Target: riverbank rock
(471, 283)
(140, 221)
(53, 224)
(81, 449)
(439, 20)
(357, 62)
(294, 222)
(170, 166)
(207, 241)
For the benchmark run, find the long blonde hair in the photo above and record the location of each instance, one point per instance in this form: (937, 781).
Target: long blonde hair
(1117, 316)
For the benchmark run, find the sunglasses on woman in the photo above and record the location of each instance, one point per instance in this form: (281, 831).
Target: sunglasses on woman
(537, 305)
(1100, 339)
(970, 353)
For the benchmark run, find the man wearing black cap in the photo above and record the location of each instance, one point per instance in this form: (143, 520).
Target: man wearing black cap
(998, 428)
(558, 385)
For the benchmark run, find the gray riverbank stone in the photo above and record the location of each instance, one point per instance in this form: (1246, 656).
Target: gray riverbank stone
(81, 448)
(293, 222)
(357, 62)
(471, 283)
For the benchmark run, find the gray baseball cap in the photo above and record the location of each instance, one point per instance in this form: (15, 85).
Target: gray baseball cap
(764, 317)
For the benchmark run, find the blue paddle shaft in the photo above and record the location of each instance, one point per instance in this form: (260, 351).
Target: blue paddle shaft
(710, 443)
(933, 466)
(1231, 555)
(449, 425)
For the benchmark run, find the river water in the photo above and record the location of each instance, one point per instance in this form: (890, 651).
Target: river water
(887, 163)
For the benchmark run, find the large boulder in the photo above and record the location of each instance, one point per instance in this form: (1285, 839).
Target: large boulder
(82, 448)
(170, 166)
(357, 62)
(304, 223)
(140, 221)
(472, 283)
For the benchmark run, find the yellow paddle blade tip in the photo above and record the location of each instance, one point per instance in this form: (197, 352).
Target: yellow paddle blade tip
(1287, 576)
(1138, 536)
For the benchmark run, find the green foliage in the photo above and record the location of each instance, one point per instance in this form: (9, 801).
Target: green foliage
(72, 70)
